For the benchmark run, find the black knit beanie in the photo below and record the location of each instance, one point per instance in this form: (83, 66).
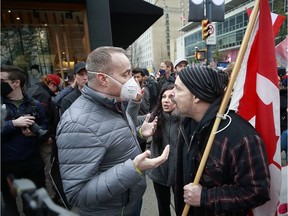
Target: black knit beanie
(205, 83)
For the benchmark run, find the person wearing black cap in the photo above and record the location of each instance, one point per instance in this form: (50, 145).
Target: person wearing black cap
(78, 72)
(69, 88)
(236, 177)
(81, 78)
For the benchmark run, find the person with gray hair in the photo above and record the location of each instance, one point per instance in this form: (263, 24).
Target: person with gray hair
(101, 164)
(236, 177)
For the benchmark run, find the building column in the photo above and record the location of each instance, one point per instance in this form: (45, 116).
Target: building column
(98, 18)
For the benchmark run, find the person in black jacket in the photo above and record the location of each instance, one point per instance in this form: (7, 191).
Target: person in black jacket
(20, 156)
(81, 78)
(163, 177)
(44, 91)
(236, 176)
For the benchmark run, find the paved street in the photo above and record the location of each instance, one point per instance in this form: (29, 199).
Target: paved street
(149, 207)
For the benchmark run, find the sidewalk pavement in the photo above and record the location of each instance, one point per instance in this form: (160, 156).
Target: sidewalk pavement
(149, 206)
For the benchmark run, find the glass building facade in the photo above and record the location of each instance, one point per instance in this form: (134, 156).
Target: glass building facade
(52, 41)
(52, 36)
(229, 33)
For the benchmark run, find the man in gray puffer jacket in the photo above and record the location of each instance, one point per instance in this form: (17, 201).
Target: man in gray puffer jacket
(101, 166)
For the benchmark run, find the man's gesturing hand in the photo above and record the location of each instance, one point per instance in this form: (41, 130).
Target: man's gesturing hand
(143, 162)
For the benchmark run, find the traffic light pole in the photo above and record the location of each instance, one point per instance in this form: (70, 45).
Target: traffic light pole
(209, 17)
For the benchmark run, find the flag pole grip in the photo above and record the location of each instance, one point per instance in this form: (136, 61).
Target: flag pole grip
(226, 97)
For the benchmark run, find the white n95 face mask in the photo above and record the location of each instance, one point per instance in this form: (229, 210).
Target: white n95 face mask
(130, 89)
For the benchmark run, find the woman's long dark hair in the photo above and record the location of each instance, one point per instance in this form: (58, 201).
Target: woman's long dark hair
(158, 111)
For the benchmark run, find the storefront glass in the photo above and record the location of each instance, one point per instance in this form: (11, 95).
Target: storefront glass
(46, 41)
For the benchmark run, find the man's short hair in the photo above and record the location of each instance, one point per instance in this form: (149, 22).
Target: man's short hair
(146, 72)
(100, 60)
(138, 70)
(14, 73)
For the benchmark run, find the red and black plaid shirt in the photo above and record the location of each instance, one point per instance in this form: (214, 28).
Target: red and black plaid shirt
(236, 177)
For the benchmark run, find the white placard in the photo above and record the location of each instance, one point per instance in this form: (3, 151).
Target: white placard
(211, 40)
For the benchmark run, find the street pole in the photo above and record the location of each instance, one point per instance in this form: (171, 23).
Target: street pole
(209, 17)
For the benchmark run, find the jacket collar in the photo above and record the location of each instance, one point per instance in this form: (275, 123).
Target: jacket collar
(100, 98)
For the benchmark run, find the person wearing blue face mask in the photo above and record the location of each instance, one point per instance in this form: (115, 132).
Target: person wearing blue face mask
(166, 71)
(101, 165)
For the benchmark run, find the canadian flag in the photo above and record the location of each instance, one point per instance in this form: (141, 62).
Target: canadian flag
(256, 96)
(277, 20)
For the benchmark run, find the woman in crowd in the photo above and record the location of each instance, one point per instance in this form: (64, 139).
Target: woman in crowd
(166, 133)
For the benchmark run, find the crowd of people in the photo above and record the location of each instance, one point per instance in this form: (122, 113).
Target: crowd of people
(112, 126)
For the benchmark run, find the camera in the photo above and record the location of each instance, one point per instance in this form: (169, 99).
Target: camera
(35, 128)
(39, 132)
(36, 201)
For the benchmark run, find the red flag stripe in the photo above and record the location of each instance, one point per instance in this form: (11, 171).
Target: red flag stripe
(277, 20)
(256, 96)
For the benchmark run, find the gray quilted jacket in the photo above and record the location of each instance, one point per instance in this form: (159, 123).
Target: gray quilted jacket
(96, 145)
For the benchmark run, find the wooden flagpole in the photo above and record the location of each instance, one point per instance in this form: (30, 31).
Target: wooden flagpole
(226, 97)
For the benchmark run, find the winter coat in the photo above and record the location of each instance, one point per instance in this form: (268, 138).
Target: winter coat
(229, 186)
(165, 173)
(96, 145)
(43, 94)
(14, 145)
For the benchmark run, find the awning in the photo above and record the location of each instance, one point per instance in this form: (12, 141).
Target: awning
(130, 19)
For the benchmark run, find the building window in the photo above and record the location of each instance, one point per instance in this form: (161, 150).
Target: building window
(53, 40)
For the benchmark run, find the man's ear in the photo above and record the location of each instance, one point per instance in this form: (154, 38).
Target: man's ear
(16, 82)
(102, 79)
(195, 99)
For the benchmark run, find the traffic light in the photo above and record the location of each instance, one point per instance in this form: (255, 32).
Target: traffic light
(200, 55)
(205, 29)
